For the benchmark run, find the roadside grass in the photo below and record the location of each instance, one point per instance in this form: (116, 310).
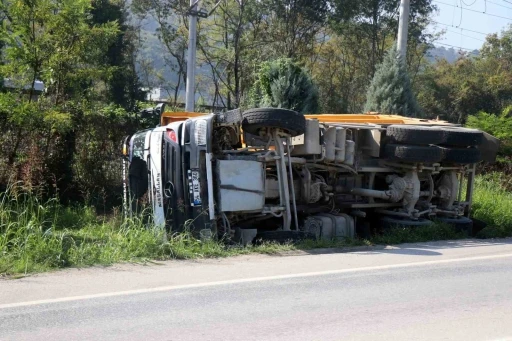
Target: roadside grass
(492, 204)
(38, 236)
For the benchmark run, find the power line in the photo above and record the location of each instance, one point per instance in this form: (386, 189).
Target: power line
(465, 35)
(508, 2)
(472, 10)
(459, 47)
(461, 28)
(497, 4)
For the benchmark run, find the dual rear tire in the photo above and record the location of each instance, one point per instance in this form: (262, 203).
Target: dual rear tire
(454, 145)
(432, 154)
(445, 136)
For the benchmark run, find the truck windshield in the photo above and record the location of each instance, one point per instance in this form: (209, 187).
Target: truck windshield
(138, 144)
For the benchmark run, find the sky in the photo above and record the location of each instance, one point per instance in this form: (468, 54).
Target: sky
(482, 21)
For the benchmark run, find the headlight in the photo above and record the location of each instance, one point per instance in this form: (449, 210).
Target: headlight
(200, 132)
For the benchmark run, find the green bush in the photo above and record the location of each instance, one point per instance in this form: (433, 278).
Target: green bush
(500, 126)
(284, 84)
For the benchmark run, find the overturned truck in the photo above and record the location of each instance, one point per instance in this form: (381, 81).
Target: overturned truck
(276, 174)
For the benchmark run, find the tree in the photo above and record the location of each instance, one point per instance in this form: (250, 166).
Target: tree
(291, 26)
(55, 42)
(390, 91)
(336, 70)
(284, 84)
(228, 43)
(170, 21)
(454, 91)
(376, 23)
(123, 85)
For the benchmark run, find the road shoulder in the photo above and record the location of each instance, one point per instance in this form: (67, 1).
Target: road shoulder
(168, 274)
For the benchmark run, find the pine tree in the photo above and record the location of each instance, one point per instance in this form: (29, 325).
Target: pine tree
(284, 84)
(390, 91)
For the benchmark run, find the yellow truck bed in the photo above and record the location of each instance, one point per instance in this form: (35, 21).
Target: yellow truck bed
(370, 118)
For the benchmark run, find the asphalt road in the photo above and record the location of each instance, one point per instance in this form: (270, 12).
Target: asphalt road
(438, 291)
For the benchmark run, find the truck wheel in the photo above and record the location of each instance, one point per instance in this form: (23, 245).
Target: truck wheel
(413, 153)
(462, 137)
(230, 117)
(462, 155)
(292, 122)
(415, 134)
(460, 224)
(390, 222)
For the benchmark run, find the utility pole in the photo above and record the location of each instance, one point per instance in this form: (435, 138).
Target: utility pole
(403, 28)
(193, 14)
(191, 60)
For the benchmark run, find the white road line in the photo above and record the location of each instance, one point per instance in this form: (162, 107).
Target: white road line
(249, 280)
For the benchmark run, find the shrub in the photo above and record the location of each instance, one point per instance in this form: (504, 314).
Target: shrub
(284, 84)
(500, 126)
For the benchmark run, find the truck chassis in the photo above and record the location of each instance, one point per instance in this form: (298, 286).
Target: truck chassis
(271, 173)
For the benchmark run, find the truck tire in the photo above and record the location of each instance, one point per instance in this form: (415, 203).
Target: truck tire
(230, 117)
(407, 153)
(392, 222)
(462, 155)
(289, 121)
(462, 137)
(415, 134)
(460, 224)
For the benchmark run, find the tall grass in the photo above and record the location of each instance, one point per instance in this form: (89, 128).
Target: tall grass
(38, 235)
(492, 203)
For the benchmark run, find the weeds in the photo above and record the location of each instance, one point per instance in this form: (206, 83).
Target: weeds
(492, 204)
(38, 236)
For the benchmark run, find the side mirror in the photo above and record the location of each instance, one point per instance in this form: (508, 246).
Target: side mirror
(160, 109)
(125, 148)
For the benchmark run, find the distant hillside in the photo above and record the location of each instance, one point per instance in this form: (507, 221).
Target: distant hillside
(450, 54)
